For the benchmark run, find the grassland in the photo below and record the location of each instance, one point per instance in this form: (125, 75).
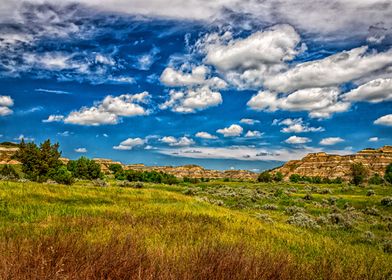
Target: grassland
(215, 230)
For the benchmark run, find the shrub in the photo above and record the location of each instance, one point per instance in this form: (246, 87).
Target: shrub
(265, 218)
(191, 180)
(386, 201)
(376, 179)
(387, 247)
(308, 196)
(359, 173)
(278, 177)
(100, 183)
(337, 180)
(264, 177)
(270, 207)
(302, 220)
(370, 193)
(291, 210)
(115, 168)
(388, 173)
(9, 172)
(62, 176)
(295, 178)
(339, 219)
(84, 168)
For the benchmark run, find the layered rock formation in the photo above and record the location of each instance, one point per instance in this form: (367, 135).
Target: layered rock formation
(196, 171)
(334, 166)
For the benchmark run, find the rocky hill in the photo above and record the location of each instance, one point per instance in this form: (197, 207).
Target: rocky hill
(192, 171)
(334, 166)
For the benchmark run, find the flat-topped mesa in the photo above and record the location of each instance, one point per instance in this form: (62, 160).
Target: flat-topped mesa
(334, 166)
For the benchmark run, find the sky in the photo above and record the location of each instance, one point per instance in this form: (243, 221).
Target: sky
(226, 84)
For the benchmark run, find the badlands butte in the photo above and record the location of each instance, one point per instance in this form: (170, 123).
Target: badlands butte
(314, 164)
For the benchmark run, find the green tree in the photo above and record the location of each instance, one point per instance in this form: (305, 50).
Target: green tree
(115, 168)
(376, 179)
(84, 168)
(388, 174)
(264, 177)
(359, 173)
(295, 178)
(278, 177)
(63, 176)
(38, 162)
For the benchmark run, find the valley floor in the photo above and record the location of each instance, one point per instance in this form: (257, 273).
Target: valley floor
(214, 230)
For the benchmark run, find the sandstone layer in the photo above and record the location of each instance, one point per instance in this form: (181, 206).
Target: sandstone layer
(335, 166)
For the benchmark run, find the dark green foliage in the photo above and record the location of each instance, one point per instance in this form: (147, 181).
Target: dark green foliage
(191, 180)
(63, 176)
(38, 162)
(295, 178)
(278, 177)
(146, 176)
(115, 168)
(359, 173)
(9, 172)
(85, 168)
(376, 179)
(265, 177)
(388, 174)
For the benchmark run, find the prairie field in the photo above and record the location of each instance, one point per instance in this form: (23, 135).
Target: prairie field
(211, 230)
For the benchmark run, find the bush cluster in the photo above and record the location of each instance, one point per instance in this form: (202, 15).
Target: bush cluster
(42, 163)
(9, 172)
(266, 177)
(146, 176)
(296, 178)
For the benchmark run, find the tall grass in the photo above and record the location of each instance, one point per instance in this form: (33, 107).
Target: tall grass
(85, 232)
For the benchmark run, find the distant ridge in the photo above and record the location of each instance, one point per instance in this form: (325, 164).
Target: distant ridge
(337, 166)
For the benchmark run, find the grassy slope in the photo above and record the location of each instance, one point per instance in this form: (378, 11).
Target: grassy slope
(87, 232)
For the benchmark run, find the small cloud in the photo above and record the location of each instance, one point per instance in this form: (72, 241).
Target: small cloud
(297, 140)
(54, 118)
(25, 138)
(253, 134)
(52, 91)
(231, 131)
(373, 139)
(64, 134)
(249, 121)
(130, 143)
(81, 150)
(205, 135)
(331, 141)
(296, 126)
(179, 142)
(384, 120)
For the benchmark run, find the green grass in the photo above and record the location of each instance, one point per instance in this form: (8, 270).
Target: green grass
(176, 223)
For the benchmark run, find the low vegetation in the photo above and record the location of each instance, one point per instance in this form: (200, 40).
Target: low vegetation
(77, 223)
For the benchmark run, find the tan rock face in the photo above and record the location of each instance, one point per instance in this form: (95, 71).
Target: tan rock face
(6, 154)
(195, 171)
(334, 166)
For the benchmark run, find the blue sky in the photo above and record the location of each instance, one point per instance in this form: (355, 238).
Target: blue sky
(226, 84)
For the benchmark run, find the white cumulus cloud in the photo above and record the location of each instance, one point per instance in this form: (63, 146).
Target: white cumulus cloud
(319, 102)
(5, 103)
(231, 131)
(375, 91)
(297, 140)
(384, 120)
(192, 100)
(296, 126)
(130, 143)
(331, 141)
(81, 150)
(205, 135)
(110, 109)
